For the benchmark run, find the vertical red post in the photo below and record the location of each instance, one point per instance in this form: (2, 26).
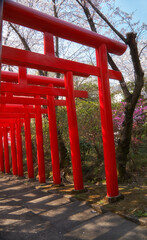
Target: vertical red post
(106, 123)
(49, 51)
(13, 149)
(39, 139)
(1, 152)
(29, 146)
(6, 151)
(73, 132)
(22, 77)
(53, 140)
(19, 149)
(48, 44)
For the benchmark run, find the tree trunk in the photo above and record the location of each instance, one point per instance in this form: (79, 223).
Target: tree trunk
(126, 131)
(99, 154)
(123, 148)
(64, 158)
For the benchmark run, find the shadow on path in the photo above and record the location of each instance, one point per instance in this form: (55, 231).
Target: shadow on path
(27, 213)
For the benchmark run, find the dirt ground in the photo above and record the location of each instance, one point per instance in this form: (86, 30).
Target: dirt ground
(133, 206)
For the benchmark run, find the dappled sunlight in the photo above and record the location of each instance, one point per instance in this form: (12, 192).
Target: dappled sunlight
(30, 195)
(53, 213)
(40, 212)
(10, 222)
(56, 202)
(38, 200)
(20, 211)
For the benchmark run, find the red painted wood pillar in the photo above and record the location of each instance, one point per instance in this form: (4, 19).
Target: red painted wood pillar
(13, 149)
(39, 140)
(1, 152)
(53, 139)
(49, 52)
(29, 147)
(19, 149)
(73, 132)
(106, 123)
(6, 151)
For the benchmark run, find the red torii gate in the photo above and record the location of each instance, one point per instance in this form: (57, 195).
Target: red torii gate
(8, 125)
(23, 89)
(51, 26)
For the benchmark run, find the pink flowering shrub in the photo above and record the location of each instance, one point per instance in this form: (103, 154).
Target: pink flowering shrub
(139, 118)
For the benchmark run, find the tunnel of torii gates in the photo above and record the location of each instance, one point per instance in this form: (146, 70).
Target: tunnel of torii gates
(22, 96)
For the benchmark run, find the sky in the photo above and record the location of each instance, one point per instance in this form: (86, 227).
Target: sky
(139, 6)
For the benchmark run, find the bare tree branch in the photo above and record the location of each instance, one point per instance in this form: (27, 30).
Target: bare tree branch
(107, 21)
(23, 40)
(142, 50)
(26, 46)
(88, 15)
(139, 74)
(56, 38)
(123, 85)
(7, 36)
